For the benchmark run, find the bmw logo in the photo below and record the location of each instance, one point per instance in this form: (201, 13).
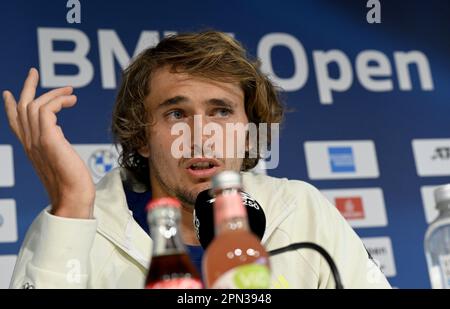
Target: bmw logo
(101, 162)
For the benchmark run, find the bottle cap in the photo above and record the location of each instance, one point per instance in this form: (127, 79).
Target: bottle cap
(442, 194)
(227, 179)
(163, 202)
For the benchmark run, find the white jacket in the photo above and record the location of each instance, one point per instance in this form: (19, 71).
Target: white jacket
(112, 250)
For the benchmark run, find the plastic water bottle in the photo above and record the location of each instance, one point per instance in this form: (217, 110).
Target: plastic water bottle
(437, 241)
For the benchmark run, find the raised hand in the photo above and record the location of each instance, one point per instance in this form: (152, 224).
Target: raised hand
(63, 173)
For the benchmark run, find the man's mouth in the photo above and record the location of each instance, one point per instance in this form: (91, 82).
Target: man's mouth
(202, 167)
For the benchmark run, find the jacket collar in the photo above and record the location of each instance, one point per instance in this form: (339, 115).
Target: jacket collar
(115, 220)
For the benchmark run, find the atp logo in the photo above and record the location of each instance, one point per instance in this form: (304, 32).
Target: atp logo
(441, 153)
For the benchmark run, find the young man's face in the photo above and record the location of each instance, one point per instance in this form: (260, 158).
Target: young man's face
(176, 98)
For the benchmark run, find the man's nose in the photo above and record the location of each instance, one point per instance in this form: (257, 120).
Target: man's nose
(198, 138)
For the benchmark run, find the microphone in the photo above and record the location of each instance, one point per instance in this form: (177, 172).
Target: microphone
(204, 217)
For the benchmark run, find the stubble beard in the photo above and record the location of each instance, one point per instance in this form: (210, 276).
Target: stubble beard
(186, 197)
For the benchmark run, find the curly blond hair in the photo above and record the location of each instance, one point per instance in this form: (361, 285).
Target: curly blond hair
(209, 54)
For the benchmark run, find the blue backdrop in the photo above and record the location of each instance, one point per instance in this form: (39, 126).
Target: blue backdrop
(389, 118)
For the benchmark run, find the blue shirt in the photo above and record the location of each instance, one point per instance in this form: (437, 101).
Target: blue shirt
(137, 203)
(196, 255)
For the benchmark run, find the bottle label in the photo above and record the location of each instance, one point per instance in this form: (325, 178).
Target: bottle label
(444, 261)
(249, 276)
(178, 283)
(227, 206)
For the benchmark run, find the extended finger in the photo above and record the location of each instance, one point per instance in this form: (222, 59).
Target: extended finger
(11, 113)
(26, 96)
(47, 97)
(48, 111)
(34, 107)
(29, 87)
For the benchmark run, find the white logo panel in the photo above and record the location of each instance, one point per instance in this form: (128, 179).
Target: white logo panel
(360, 207)
(432, 157)
(99, 158)
(341, 159)
(7, 263)
(381, 250)
(6, 166)
(8, 221)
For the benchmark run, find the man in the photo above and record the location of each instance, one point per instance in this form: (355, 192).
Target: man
(89, 238)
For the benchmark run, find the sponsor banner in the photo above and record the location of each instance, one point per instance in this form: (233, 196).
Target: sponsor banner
(8, 221)
(380, 248)
(361, 207)
(6, 166)
(432, 156)
(99, 158)
(7, 263)
(341, 159)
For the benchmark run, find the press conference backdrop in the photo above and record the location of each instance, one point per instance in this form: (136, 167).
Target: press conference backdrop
(370, 102)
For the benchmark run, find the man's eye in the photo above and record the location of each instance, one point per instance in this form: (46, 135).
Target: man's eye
(223, 112)
(176, 114)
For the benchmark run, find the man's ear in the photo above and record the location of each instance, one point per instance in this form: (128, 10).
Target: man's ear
(144, 151)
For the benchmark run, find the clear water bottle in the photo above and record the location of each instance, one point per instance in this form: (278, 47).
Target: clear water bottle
(437, 241)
